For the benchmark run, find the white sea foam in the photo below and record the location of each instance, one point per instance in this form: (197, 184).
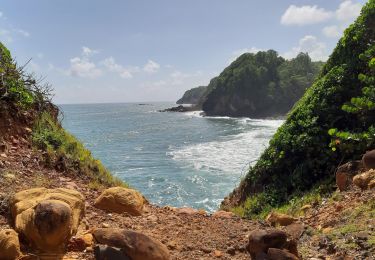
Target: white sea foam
(230, 154)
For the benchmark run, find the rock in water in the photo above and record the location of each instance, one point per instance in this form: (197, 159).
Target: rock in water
(9, 245)
(47, 217)
(135, 245)
(368, 159)
(120, 200)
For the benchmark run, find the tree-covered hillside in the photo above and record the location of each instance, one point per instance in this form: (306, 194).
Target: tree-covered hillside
(300, 154)
(192, 96)
(260, 85)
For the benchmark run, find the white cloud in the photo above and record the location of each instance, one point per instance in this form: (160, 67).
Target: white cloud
(111, 65)
(22, 32)
(151, 67)
(83, 67)
(303, 15)
(310, 44)
(332, 31)
(87, 52)
(348, 11)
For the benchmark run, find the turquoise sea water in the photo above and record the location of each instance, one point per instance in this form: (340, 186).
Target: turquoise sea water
(177, 159)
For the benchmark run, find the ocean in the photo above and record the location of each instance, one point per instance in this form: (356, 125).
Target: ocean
(176, 159)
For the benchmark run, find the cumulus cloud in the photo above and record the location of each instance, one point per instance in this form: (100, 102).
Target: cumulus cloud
(348, 11)
(304, 15)
(23, 32)
(310, 44)
(83, 67)
(151, 66)
(332, 31)
(112, 66)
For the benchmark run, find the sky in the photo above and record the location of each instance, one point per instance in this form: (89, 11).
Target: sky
(94, 51)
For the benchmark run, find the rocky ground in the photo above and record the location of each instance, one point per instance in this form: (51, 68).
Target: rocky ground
(341, 227)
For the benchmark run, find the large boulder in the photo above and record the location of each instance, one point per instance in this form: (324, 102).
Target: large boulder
(363, 180)
(121, 200)
(261, 240)
(368, 159)
(47, 218)
(275, 218)
(135, 245)
(279, 254)
(346, 172)
(9, 245)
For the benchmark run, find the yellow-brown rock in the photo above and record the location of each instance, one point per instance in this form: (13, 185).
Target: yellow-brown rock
(9, 245)
(121, 200)
(275, 218)
(47, 218)
(363, 180)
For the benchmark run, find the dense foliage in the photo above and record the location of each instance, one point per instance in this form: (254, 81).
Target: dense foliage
(260, 85)
(18, 87)
(299, 154)
(64, 150)
(192, 96)
(21, 93)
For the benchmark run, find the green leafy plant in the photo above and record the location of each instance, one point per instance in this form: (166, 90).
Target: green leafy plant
(298, 155)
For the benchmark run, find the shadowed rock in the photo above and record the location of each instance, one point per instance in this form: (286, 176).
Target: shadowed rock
(135, 245)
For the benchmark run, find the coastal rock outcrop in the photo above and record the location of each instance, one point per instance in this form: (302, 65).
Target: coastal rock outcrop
(136, 246)
(121, 200)
(9, 245)
(47, 218)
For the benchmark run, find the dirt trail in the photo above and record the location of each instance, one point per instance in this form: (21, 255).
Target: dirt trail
(188, 234)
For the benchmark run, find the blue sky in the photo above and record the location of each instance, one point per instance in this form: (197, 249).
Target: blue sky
(131, 51)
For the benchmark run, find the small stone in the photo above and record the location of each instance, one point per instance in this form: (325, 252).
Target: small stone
(3, 155)
(105, 225)
(217, 253)
(231, 250)
(206, 250)
(223, 214)
(9, 245)
(172, 245)
(278, 218)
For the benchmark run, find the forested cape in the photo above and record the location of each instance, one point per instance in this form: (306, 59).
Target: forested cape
(333, 123)
(256, 85)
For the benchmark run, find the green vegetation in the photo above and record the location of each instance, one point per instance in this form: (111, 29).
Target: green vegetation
(354, 221)
(299, 155)
(64, 149)
(260, 85)
(19, 89)
(19, 92)
(192, 96)
(258, 206)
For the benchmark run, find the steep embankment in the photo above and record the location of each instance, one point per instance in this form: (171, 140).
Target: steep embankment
(299, 155)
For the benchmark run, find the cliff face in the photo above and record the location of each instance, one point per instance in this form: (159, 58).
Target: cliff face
(299, 154)
(260, 85)
(192, 96)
